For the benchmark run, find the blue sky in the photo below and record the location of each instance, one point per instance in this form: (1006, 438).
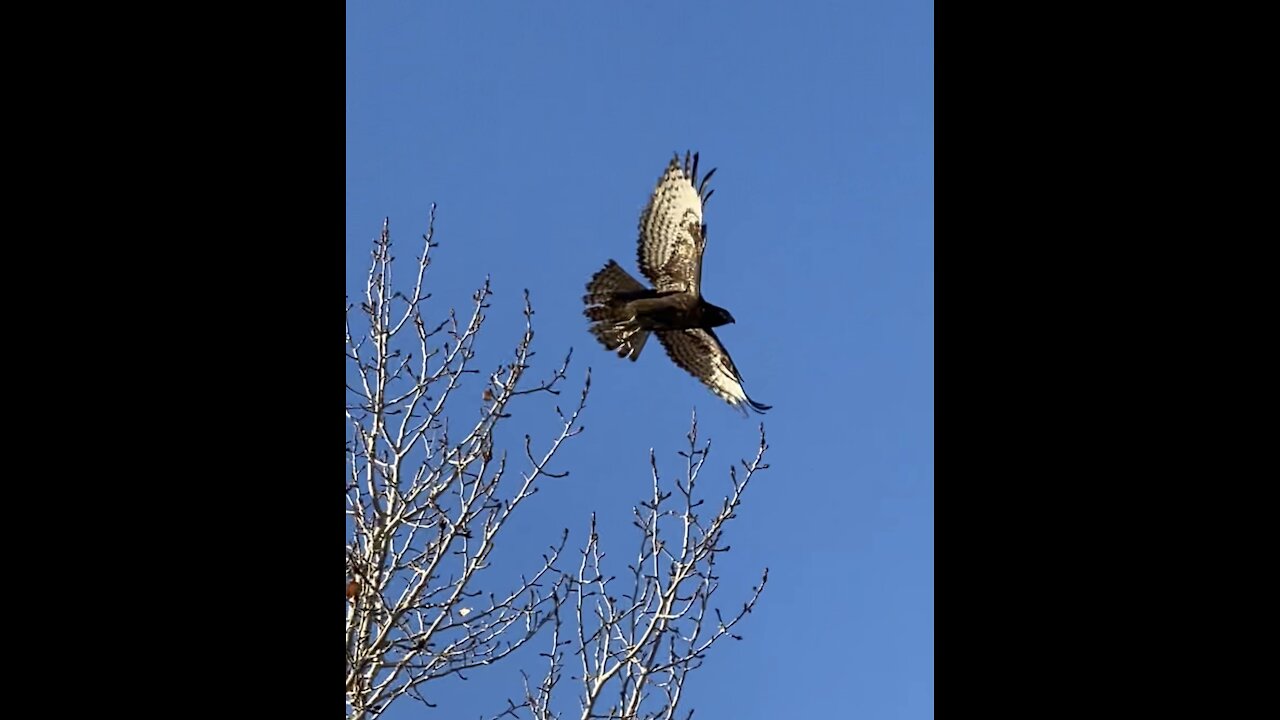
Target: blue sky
(539, 130)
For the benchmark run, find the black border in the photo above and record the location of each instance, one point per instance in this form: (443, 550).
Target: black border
(242, 545)
(1029, 385)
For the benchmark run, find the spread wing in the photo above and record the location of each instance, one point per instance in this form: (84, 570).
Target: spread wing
(699, 351)
(672, 234)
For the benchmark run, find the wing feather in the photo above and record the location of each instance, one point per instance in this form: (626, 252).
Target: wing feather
(700, 353)
(673, 235)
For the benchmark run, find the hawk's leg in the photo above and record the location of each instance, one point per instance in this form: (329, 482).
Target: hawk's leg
(627, 330)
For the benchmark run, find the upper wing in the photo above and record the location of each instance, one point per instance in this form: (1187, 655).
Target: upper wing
(699, 351)
(672, 234)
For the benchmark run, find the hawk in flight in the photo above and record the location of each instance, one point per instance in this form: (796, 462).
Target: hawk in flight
(672, 238)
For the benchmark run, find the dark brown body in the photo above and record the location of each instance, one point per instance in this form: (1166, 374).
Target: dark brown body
(654, 310)
(625, 312)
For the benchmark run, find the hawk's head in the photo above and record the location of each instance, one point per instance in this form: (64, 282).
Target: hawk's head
(714, 315)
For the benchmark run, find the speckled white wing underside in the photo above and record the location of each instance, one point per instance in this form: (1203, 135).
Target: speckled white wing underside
(699, 351)
(671, 232)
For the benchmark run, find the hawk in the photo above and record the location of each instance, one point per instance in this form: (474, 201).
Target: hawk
(672, 239)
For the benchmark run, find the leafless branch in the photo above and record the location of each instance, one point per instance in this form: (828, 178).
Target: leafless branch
(637, 637)
(424, 505)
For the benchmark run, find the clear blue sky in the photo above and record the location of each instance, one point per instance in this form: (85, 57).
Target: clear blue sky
(539, 129)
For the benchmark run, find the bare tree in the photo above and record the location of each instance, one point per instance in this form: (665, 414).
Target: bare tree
(427, 494)
(635, 645)
(424, 501)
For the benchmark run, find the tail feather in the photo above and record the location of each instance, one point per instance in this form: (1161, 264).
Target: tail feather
(612, 324)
